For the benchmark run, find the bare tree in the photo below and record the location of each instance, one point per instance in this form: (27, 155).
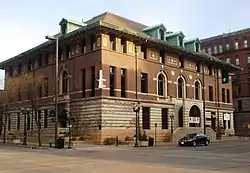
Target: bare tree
(32, 85)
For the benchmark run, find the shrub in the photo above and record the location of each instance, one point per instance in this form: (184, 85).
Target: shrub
(109, 141)
(127, 138)
(81, 138)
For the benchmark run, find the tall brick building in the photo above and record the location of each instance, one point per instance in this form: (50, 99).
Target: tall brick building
(169, 81)
(234, 48)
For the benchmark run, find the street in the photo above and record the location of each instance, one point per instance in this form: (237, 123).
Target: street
(222, 156)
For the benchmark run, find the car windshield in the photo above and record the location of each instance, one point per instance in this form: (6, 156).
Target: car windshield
(189, 136)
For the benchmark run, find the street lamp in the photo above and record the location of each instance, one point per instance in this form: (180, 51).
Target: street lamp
(56, 85)
(26, 112)
(203, 97)
(136, 109)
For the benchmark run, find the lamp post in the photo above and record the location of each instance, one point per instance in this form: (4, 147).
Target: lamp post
(137, 107)
(5, 123)
(25, 112)
(56, 86)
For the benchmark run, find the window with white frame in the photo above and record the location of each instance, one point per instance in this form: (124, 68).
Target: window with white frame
(248, 59)
(245, 43)
(236, 44)
(228, 60)
(237, 60)
(220, 49)
(227, 46)
(215, 50)
(209, 50)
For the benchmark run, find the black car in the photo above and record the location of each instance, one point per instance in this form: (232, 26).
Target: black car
(194, 139)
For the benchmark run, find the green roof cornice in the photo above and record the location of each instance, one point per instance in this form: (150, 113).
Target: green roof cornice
(174, 48)
(174, 34)
(154, 27)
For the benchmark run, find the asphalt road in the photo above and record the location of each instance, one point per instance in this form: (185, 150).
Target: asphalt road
(224, 156)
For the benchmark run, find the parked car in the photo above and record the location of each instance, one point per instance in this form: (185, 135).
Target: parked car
(194, 139)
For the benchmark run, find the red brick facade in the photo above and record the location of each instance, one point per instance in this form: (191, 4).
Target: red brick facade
(237, 52)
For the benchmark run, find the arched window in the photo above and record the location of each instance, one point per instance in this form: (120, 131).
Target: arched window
(65, 82)
(180, 88)
(197, 90)
(161, 85)
(197, 47)
(161, 32)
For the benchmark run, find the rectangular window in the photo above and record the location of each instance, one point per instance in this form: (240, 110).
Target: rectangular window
(211, 93)
(223, 95)
(92, 43)
(9, 122)
(228, 96)
(181, 62)
(46, 86)
(146, 118)
(162, 57)
(248, 59)
(123, 82)
(227, 46)
(112, 81)
(19, 94)
(228, 60)
(220, 48)
(238, 90)
(198, 67)
(209, 50)
(19, 68)
(45, 118)
(18, 121)
(239, 105)
(93, 82)
(46, 59)
(40, 91)
(144, 52)
(245, 43)
(10, 71)
(40, 60)
(83, 83)
(112, 43)
(237, 60)
(144, 82)
(236, 44)
(123, 46)
(77, 48)
(203, 50)
(164, 118)
(30, 65)
(215, 50)
(84, 45)
(210, 70)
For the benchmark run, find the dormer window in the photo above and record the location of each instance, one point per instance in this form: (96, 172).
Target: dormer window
(180, 41)
(197, 47)
(64, 28)
(161, 34)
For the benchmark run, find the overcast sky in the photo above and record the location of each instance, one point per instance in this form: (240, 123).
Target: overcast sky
(25, 23)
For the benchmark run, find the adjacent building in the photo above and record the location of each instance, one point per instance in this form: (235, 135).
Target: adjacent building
(234, 48)
(108, 65)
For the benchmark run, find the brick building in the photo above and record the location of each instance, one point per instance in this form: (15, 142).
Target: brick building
(169, 81)
(234, 48)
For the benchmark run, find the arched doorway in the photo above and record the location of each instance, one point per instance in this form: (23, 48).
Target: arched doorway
(180, 117)
(194, 116)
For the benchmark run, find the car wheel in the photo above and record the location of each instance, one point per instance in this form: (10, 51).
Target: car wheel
(194, 143)
(207, 142)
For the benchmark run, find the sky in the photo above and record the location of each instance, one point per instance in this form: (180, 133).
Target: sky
(25, 23)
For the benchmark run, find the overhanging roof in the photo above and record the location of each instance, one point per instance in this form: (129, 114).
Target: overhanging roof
(178, 49)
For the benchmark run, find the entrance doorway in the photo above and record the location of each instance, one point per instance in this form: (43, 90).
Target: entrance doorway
(194, 116)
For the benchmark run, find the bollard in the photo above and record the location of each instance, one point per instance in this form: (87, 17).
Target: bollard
(116, 141)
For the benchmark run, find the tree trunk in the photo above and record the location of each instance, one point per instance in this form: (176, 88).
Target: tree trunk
(39, 135)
